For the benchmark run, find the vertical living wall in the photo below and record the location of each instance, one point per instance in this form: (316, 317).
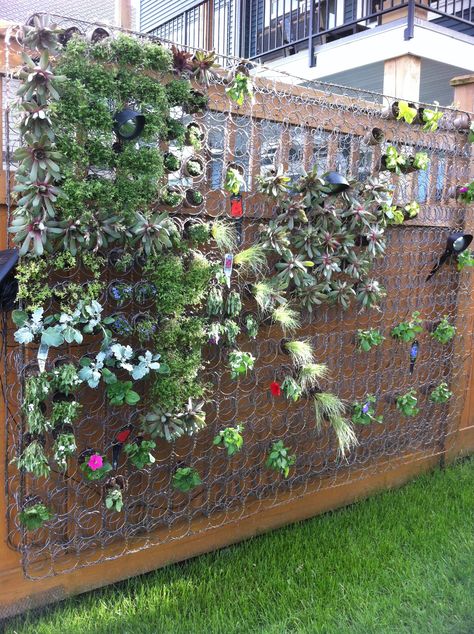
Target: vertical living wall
(226, 289)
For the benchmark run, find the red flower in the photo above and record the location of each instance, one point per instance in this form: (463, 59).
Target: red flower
(275, 388)
(123, 435)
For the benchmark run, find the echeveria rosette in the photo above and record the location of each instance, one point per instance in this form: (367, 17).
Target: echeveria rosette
(35, 119)
(38, 157)
(36, 196)
(41, 35)
(153, 234)
(35, 235)
(39, 80)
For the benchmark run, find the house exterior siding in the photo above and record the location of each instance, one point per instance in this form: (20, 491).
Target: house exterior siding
(154, 13)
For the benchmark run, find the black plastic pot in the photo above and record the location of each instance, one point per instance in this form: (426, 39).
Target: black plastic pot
(62, 429)
(62, 396)
(375, 136)
(188, 200)
(337, 182)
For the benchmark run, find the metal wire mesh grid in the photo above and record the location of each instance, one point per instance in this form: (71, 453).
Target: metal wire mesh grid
(294, 127)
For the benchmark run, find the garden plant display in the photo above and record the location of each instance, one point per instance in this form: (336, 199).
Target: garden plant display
(126, 226)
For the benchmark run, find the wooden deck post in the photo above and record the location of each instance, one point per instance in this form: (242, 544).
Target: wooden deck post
(401, 77)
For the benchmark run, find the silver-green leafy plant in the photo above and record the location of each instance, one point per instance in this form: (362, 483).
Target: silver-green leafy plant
(240, 363)
(441, 393)
(231, 438)
(251, 326)
(33, 460)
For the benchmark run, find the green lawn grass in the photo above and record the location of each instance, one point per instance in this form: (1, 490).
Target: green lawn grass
(399, 563)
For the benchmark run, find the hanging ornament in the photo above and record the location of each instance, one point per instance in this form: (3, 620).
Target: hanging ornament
(456, 243)
(228, 264)
(121, 437)
(415, 347)
(237, 212)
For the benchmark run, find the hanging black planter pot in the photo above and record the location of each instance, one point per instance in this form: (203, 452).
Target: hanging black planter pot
(375, 136)
(455, 244)
(337, 182)
(8, 282)
(128, 124)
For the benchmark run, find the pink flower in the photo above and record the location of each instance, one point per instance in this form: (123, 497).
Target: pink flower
(95, 462)
(463, 190)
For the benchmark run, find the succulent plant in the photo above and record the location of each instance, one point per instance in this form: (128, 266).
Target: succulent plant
(34, 235)
(153, 233)
(182, 60)
(41, 35)
(37, 195)
(274, 184)
(38, 80)
(193, 417)
(162, 424)
(204, 66)
(293, 270)
(369, 293)
(35, 119)
(37, 158)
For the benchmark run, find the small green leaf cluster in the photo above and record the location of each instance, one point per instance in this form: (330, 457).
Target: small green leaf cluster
(185, 479)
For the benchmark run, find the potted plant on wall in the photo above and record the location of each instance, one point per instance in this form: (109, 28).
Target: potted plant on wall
(171, 162)
(185, 479)
(240, 363)
(139, 452)
(113, 489)
(441, 393)
(393, 161)
(194, 136)
(94, 465)
(194, 167)
(364, 412)
(407, 403)
(231, 439)
(64, 445)
(193, 198)
(171, 197)
(279, 459)
(374, 136)
(34, 514)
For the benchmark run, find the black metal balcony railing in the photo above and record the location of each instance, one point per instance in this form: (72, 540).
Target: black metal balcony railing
(272, 28)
